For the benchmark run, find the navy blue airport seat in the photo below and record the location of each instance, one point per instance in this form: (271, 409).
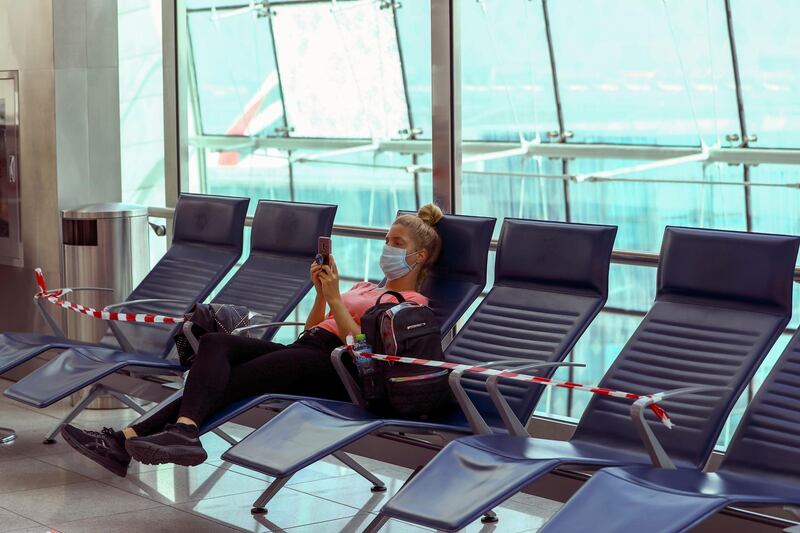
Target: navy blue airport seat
(723, 298)
(206, 244)
(271, 282)
(551, 281)
(465, 246)
(762, 467)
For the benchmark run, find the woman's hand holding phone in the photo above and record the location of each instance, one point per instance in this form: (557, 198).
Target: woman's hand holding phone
(329, 278)
(314, 272)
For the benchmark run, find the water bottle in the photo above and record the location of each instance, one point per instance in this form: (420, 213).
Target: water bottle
(364, 364)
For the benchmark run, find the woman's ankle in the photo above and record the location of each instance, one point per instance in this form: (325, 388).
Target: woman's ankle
(129, 433)
(186, 421)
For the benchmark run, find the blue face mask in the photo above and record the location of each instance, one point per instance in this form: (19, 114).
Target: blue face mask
(393, 262)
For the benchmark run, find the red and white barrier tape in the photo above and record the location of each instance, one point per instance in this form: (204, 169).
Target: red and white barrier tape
(54, 298)
(657, 410)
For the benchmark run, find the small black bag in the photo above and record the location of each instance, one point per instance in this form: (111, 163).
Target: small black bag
(410, 330)
(209, 318)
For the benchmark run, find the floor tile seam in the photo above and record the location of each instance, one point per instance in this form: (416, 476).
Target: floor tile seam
(346, 477)
(148, 497)
(325, 522)
(258, 475)
(110, 475)
(85, 518)
(61, 524)
(23, 517)
(256, 492)
(84, 480)
(39, 459)
(209, 519)
(360, 509)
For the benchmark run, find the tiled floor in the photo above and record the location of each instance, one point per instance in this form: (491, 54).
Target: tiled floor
(51, 487)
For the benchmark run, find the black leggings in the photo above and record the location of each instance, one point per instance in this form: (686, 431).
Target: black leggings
(228, 368)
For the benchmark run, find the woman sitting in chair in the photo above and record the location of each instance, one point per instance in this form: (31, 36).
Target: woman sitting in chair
(228, 368)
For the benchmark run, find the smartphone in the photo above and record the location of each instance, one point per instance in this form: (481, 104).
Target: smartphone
(324, 250)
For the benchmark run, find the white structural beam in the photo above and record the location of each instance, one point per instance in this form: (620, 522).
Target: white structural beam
(750, 156)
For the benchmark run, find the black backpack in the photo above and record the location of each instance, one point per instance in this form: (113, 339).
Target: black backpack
(207, 318)
(410, 330)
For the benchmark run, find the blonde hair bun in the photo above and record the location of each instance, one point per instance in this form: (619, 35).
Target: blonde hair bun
(430, 214)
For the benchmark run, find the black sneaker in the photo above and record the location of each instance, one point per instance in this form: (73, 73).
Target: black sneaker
(105, 448)
(178, 443)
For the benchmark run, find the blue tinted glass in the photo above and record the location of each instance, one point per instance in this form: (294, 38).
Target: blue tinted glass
(368, 188)
(775, 209)
(766, 44)
(262, 173)
(643, 204)
(141, 104)
(624, 78)
(504, 188)
(506, 85)
(234, 67)
(413, 21)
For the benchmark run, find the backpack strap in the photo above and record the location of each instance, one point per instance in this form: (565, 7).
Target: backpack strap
(400, 298)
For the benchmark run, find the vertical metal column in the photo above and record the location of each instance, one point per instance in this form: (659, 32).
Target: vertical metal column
(562, 138)
(744, 138)
(175, 82)
(446, 103)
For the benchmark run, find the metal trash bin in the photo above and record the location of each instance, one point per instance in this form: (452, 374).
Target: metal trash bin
(104, 245)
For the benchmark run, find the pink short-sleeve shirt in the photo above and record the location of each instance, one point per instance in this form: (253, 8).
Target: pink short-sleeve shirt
(361, 297)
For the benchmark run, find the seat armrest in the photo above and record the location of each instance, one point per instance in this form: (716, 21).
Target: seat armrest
(353, 390)
(78, 289)
(513, 424)
(194, 342)
(144, 301)
(61, 293)
(658, 455)
(419, 377)
(245, 329)
(476, 421)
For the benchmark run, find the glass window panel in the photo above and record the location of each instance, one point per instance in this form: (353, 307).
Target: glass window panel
(632, 288)
(775, 209)
(506, 82)
(620, 74)
(413, 21)
(369, 188)
(766, 45)
(237, 84)
(261, 173)
(141, 103)
(340, 70)
(509, 187)
(642, 204)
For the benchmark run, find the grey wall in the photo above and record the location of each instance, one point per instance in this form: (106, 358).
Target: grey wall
(86, 101)
(26, 45)
(66, 55)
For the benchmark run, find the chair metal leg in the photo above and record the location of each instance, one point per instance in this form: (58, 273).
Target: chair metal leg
(127, 400)
(489, 518)
(224, 436)
(94, 392)
(7, 435)
(377, 523)
(377, 484)
(260, 505)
